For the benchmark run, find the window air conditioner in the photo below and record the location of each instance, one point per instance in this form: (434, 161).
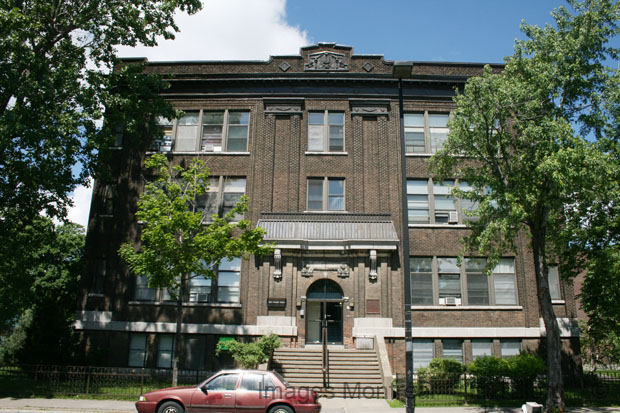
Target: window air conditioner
(202, 297)
(453, 218)
(450, 301)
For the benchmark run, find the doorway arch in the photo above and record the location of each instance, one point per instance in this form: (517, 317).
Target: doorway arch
(324, 309)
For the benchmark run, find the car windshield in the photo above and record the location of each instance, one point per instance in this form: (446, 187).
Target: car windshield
(282, 380)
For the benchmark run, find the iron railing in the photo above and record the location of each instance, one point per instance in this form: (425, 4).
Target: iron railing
(95, 382)
(597, 388)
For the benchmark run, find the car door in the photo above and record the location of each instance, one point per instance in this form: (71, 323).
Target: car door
(254, 393)
(217, 395)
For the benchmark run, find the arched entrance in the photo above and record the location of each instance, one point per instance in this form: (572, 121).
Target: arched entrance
(324, 307)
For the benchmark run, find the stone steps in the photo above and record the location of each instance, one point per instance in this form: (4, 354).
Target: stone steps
(351, 373)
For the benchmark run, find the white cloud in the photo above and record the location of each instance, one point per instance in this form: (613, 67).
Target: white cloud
(222, 30)
(228, 30)
(81, 204)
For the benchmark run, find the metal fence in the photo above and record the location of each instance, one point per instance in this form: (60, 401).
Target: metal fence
(592, 388)
(93, 382)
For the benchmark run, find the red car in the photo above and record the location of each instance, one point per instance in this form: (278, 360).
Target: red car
(232, 391)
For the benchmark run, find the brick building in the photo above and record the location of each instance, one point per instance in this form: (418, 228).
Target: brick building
(313, 140)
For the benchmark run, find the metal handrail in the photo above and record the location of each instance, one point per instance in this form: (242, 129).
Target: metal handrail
(325, 355)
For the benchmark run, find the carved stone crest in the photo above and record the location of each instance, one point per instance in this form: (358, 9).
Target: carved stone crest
(326, 61)
(343, 271)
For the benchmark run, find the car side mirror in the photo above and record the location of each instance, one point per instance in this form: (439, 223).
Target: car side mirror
(204, 389)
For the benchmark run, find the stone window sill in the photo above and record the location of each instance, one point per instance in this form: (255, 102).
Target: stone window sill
(203, 153)
(191, 304)
(445, 226)
(467, 307)
(327, 153)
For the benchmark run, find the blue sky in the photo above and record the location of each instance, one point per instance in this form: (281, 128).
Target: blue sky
(430, 30)
(433, 30)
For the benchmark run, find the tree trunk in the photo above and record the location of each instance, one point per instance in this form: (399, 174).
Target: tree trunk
(177, 334)
(555, 388)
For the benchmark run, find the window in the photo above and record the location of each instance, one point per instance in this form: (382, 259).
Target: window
(453, 349)
(228, 277)
(225, 131)
(225, 382)
(449, 279)
(325, 194)
(477, 281)
(504, 282)
(255, 382)
(137, 350)
(431, 203)
(165, 143)
(205, 131)
(444, 202)
(187, 132)
(165, 350)
(425, 132)
(510, 348)
(422, 280)
(200, 289)
(326, 131)
(99, 276)
(468, 207)
(143, 292)
(195, 353)
(423, 353)
(222, 196)
(440, 280)
(438, 127)
(417, 201)
(480, 348)
(554, 283)
(414, 133)
(226, 286)
(109, 199)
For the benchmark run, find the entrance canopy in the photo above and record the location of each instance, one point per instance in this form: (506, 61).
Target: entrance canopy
(329, 231)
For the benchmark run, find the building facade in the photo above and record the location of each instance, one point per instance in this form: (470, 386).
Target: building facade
(314, 141)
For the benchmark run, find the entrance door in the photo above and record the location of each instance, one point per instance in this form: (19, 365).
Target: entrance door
(328, 312)
(324, 307)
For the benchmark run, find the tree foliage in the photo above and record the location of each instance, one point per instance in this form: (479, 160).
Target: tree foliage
(37, 300)
(519, 139)
(250, 355)
(599, 348)
(55, 60)
(179, 240)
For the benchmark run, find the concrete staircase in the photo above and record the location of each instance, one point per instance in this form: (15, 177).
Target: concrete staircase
(351, 373)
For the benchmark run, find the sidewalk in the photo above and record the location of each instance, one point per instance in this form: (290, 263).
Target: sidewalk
(329, 406)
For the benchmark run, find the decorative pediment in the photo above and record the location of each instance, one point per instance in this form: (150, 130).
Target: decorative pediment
(283, 106)
(364, 107)
(327, 61)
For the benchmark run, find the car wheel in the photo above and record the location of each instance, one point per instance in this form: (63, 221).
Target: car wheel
(281, 409)
(170, 407)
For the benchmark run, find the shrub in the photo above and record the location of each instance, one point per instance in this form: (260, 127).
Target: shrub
(523, 370)
(441, 375)
(250, 355)
(489, 372)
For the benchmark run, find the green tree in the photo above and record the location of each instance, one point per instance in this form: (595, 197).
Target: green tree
(58, 74)
(600, 295)
(250, 355)
(513, 139)
(179, 240)
(37, 300)
(599, 348)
